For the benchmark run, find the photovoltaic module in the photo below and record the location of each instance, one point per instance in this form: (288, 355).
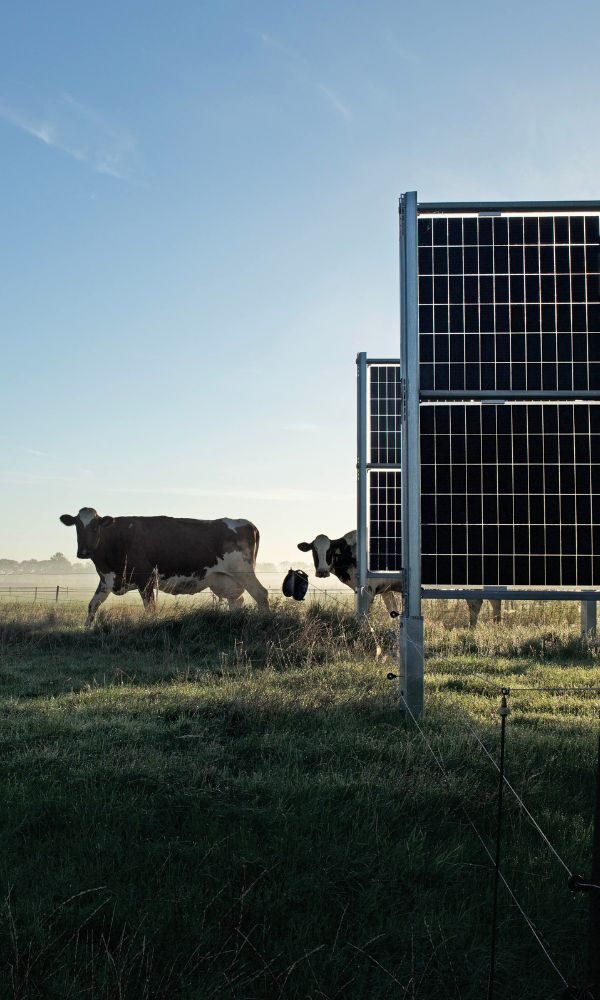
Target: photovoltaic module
(509, 302)
(510, 487)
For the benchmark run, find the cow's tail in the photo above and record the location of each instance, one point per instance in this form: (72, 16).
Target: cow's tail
(255, 543)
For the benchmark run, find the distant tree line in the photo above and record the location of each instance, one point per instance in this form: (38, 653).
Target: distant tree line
(282, 567)
(56, 565)
(59, 565)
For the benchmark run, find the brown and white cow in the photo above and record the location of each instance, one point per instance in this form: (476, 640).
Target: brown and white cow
(178, 555)
(338, 556)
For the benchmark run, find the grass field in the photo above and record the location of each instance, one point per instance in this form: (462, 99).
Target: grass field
(212, 805)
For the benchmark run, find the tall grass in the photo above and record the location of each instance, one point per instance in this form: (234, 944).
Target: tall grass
(206, 804)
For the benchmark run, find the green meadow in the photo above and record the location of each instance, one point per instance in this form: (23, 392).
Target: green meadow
(205, 804)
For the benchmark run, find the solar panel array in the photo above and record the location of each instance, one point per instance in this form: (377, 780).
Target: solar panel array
(509, 302)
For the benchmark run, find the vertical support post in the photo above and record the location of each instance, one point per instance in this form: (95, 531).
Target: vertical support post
(588, 619)
(57, 592)
(361, 485)
(411, 623)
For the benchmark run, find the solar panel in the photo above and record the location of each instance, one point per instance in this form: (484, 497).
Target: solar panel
(509, 302)
(385, 527)
(384, 402)
(510, 492)
(384, 414)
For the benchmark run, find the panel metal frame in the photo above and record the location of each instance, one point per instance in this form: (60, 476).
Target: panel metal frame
(411, 622)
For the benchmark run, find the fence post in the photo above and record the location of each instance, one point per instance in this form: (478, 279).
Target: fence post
(57, 591)
(35, 595)
(503, 712)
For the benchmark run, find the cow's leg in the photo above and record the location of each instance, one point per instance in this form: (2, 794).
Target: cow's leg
(238, 566)
(389, 599)
(474, 609)
(245, 576)
(102, 591)
(148, 588)
(256, 590)
(235, 602)
(496, 611)
(148, 595)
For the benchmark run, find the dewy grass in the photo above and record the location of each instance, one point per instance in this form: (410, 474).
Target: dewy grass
(205, 804)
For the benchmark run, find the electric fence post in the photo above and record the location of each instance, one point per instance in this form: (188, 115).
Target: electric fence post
(503, 712)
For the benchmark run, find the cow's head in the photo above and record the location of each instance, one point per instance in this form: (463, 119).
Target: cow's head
(321, 548)
(89, 528)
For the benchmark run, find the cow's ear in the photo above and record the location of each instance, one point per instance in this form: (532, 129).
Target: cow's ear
(304, 546)
(68, 519)
(103, 522)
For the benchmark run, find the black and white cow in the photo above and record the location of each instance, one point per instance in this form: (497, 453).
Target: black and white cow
(178, 555)
(338, 556)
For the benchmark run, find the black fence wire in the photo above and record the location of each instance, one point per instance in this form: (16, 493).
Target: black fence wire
(495, 860)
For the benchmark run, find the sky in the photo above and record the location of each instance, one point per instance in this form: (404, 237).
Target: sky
(198, 208)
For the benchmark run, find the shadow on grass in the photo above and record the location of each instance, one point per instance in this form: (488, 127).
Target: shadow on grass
(215, 805)
(240, 837)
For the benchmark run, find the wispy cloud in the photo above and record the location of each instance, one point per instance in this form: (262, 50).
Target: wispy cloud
(38, 454)
(80, 132)
(300, 68)
(405, 54)
(335, 102)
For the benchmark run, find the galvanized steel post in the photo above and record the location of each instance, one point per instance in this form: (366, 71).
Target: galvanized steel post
(411, 622)
(588, 619)
(361, 484)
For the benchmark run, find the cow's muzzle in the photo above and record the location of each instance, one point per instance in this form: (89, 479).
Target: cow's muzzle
(83, 554)
(323, 573)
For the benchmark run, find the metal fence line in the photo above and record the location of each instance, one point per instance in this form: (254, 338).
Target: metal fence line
(531, 818)
(525, 916)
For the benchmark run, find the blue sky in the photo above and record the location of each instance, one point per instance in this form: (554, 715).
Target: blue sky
(199, 214)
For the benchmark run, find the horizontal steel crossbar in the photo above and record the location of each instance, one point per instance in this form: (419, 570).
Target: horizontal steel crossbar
(479, 207)
(508, 395)
(507, 594)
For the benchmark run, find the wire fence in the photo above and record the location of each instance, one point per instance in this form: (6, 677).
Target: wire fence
(59, 593)
(573, 883)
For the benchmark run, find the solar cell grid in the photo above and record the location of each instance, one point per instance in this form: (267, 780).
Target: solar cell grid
(510, 302)
(384, 414)
(510, 494)
(384, 484)
(385, 521)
